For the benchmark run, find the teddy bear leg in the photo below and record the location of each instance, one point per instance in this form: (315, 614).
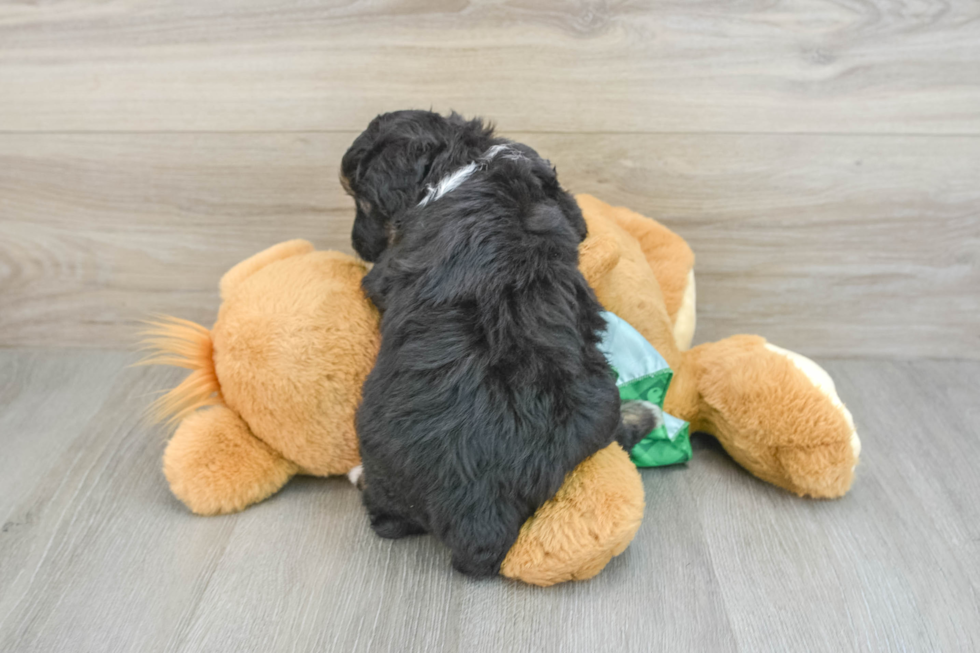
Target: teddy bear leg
(821, 380)
(826, 469)
(215, 465)
(591, 519)
(776, 414)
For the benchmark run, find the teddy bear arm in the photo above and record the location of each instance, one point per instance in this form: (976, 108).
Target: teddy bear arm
(591, 519)
(669, 256)
(598, 255)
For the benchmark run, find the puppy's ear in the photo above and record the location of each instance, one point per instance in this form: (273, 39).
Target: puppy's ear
(377, 283)
(369, 235)
(544, 218)
(548, 176)
(572, 212)
(431, 153)
(555, 217)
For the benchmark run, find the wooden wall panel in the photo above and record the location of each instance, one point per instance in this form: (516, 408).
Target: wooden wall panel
(833, 245)
(544, 65)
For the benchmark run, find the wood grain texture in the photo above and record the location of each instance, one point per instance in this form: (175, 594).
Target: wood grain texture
(831, 245)
(788, 66)
(39, 394)
(821, 157)
(89, 562)
(892, 566)
(96, 555)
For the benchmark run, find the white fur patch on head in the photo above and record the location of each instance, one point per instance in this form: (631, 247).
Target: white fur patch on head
(448, 183)
(494, 151)
(455, 179)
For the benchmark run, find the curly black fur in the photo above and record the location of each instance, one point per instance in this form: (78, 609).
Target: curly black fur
(389, 166)
(488, 388)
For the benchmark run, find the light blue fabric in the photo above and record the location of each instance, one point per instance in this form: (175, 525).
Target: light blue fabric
(627, 351)
(643, 374)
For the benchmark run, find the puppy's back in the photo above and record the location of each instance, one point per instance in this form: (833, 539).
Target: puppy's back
(488, 388)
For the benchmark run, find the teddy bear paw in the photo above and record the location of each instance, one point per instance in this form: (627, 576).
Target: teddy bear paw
(822, 381)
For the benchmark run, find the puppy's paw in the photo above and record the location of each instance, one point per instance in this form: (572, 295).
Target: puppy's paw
(638, 418)
(356, 477)
(393, 527)
(477, 565)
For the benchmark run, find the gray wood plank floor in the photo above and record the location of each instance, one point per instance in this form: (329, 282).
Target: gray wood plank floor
(95, 555)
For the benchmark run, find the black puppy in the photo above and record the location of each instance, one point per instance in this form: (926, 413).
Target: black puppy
(488, 388)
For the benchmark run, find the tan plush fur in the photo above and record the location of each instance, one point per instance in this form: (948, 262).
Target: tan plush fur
(237, 275)
(764, 410)
(293, 344)
(275, 384)
(283, 366)
(591, 519)
(628, 287)
(800, 442)
(215, 465)
(182, 344)
(667, 254)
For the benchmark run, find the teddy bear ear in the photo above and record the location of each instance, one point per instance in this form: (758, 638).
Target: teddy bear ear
(253, 264)
(215, 465)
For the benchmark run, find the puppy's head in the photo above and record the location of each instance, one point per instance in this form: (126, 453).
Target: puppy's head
(387, 168)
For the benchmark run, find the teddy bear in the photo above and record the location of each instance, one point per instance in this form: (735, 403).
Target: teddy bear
(275, 384)
(273, 389)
